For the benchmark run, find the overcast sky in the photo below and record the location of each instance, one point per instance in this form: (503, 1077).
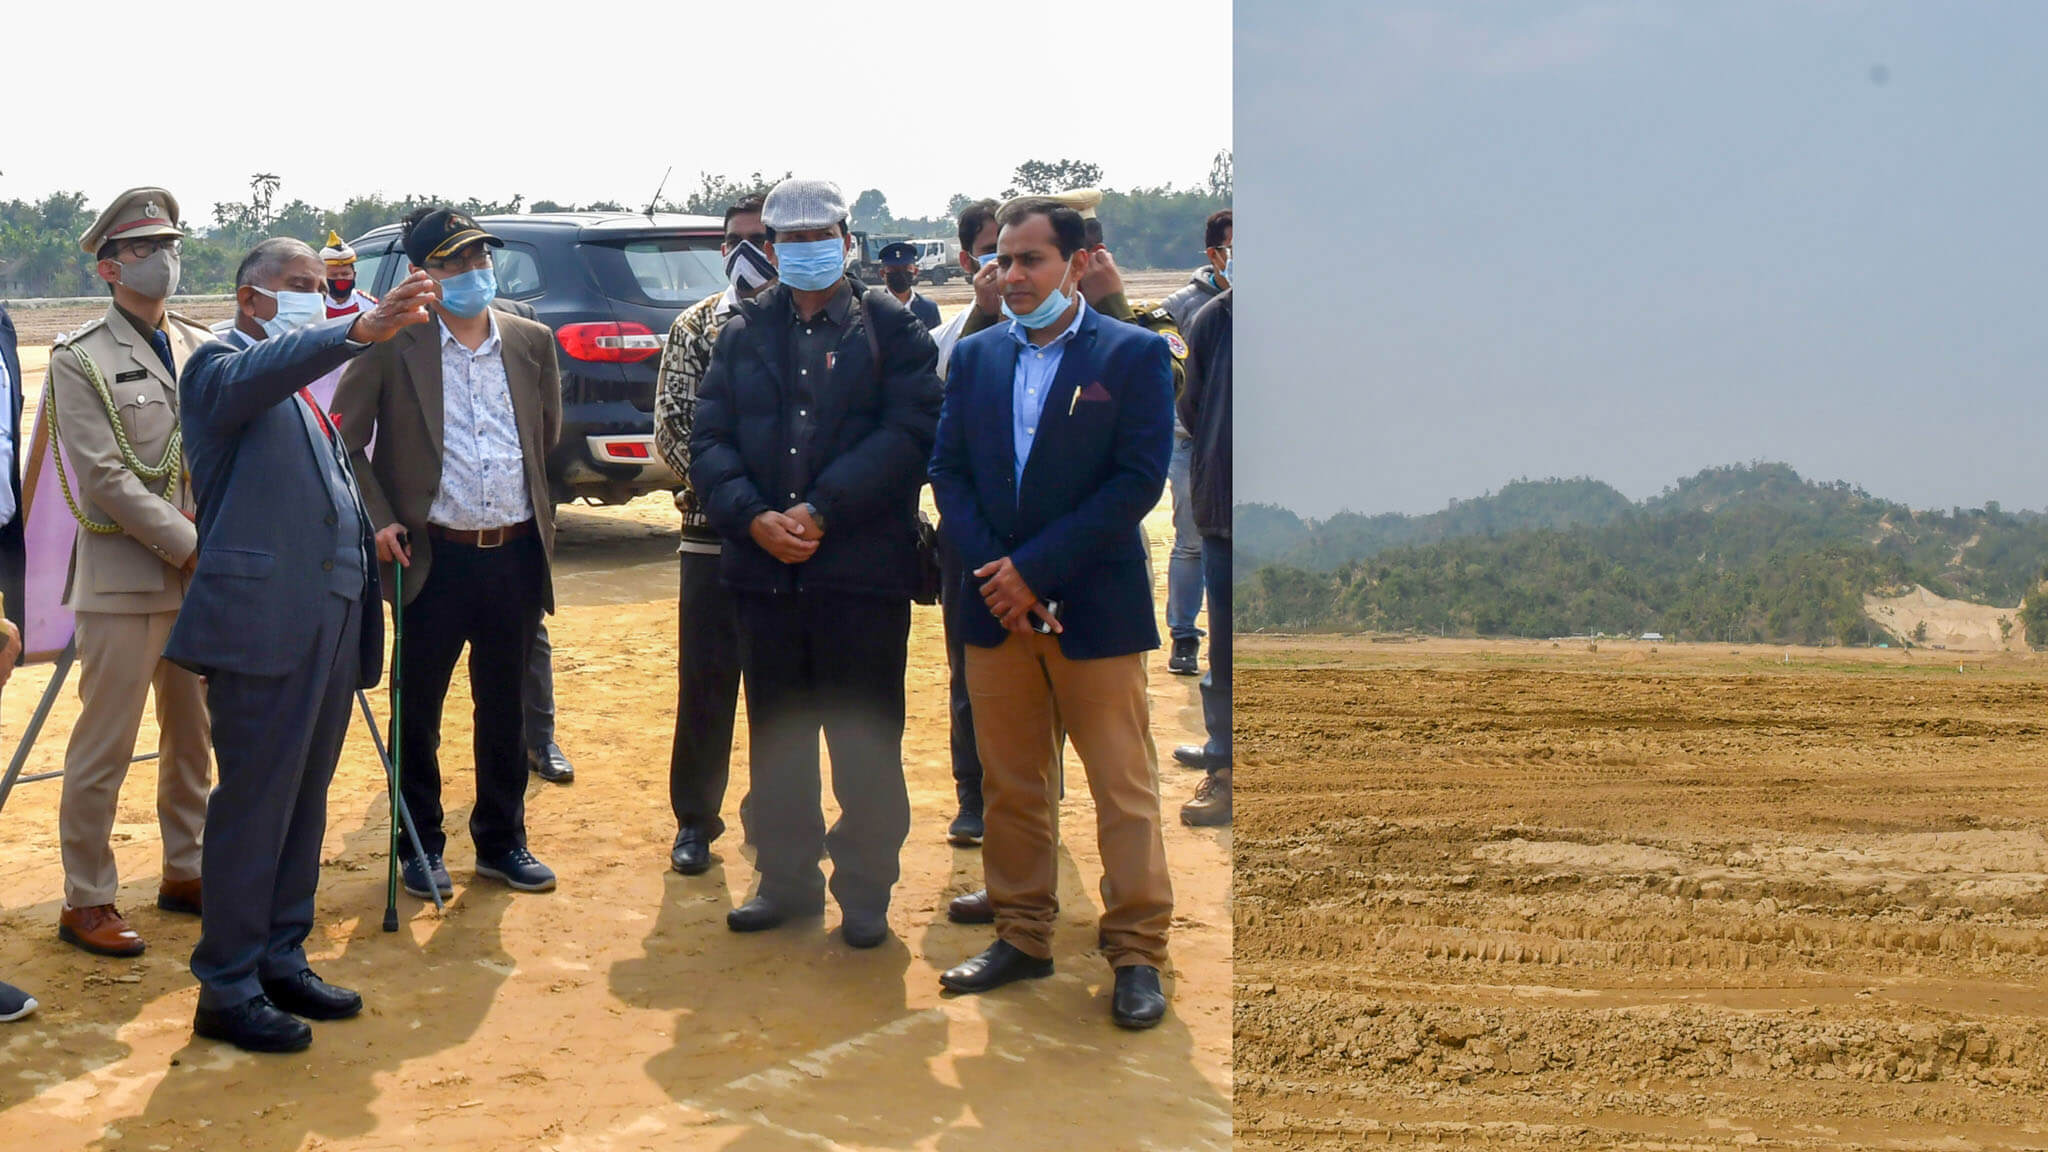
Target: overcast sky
(921, 99)
(1633, 240)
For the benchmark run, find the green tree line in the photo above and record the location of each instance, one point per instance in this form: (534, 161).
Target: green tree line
(39, 256)
(1747, 553)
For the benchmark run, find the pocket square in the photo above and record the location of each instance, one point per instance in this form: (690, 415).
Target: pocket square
(1095, 393)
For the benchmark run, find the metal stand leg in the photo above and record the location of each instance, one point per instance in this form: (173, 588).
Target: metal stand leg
(35, 727)
(404, 817)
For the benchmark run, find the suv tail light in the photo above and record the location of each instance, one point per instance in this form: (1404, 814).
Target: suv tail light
(609, 342)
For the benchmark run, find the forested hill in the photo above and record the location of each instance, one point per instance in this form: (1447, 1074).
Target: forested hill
(1749, 552)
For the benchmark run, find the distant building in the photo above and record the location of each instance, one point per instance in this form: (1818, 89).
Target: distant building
(1657, 637)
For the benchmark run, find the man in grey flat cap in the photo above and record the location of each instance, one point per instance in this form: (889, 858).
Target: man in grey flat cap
(814, 422)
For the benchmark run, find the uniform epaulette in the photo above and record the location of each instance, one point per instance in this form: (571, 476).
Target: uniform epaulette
(79, 332)
(185, 320)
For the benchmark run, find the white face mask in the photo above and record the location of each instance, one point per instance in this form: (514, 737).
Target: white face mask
(294, 310)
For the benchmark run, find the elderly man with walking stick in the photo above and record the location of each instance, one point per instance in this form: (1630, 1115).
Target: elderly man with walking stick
(282, 619)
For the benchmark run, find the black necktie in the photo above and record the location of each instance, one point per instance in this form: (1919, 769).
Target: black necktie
(161, 341)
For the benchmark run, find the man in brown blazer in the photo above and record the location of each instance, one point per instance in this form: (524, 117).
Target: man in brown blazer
(463, 412)
(113, 390)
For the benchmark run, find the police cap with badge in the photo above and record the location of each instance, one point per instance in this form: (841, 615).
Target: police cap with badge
(1081, 200)
(136, 214)
(899, 255)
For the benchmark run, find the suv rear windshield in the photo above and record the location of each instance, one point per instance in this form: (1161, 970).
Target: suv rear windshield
(666, 271)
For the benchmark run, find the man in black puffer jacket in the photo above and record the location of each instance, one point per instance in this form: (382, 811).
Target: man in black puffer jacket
(814, 423)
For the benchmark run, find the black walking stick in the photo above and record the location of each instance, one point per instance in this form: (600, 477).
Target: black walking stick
(398, 747)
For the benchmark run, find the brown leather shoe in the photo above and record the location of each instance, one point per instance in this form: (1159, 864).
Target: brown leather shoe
(1211, 806)
(179, 896)
(973, 908)
(98, 929)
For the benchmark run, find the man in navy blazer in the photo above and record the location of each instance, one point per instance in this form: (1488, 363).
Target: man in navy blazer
(282, 618)
(1052, 447)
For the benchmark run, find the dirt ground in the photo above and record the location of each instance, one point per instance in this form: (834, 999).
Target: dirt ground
(618, 1012)
(1535, 895)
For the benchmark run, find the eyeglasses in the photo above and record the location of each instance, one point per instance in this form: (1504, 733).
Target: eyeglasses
(481, 258)
(757, 239)
(147, 246)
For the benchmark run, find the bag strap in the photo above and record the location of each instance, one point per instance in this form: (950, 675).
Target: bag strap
(868, 330)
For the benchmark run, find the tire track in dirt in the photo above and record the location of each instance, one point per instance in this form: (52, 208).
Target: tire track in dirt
(1606, 902)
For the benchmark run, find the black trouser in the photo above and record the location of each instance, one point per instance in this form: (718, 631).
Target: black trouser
(824, 660)
(953, 599)
(490, 599)
(707, 696)
(538, 693)
(275, 743)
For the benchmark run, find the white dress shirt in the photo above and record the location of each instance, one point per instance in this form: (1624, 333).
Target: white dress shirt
(483, 470)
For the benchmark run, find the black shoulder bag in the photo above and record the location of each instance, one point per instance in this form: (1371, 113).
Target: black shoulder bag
(930, 575)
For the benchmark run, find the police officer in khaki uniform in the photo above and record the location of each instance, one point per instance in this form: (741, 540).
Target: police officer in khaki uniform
(113, 395)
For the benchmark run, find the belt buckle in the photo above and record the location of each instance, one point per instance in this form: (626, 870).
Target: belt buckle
(495, 535)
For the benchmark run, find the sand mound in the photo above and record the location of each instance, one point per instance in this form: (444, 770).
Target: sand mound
(1953, 624)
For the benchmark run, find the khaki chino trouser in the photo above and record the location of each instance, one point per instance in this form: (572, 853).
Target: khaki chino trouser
(1023, 692)
(120, 658)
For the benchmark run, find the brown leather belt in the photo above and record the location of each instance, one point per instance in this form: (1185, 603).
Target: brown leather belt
(488, 538)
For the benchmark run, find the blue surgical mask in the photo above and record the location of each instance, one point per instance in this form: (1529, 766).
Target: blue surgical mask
(470, 293)
(1048, 310)
(812, 265)
(294, 310)
(984, 259)
(1228, 261)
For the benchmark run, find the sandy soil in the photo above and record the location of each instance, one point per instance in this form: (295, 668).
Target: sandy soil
(1957, 625)
(618, 1012)
(1536, 895)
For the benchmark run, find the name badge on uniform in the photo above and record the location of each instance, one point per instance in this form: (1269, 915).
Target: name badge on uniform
(137, 374)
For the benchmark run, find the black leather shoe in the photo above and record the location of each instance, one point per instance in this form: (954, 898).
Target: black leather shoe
(762, 913)
(518, 869)
(1182, 662)
(997, 966)
(966, 829)
(1137, 1001)
(254, 1026)
(1194, 756)
(865, 931)
(973, 908)
(691, 854)
(415, 873)
(309, 996)
(548, 763)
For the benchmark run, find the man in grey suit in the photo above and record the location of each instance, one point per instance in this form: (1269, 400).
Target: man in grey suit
(282, 619)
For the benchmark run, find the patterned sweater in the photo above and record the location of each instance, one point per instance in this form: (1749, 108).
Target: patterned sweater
(683, 363)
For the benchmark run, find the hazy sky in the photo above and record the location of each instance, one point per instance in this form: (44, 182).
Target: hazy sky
(1632, 240)
(921, 99)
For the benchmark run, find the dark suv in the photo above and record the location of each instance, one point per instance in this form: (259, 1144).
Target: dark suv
(609, 284)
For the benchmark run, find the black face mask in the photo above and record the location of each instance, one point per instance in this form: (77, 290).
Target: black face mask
(899, 279)
(339, 289)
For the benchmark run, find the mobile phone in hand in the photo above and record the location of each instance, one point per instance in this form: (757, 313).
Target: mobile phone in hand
(1050, 609)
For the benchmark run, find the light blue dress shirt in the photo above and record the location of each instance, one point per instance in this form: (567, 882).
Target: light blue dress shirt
(1036, 367)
